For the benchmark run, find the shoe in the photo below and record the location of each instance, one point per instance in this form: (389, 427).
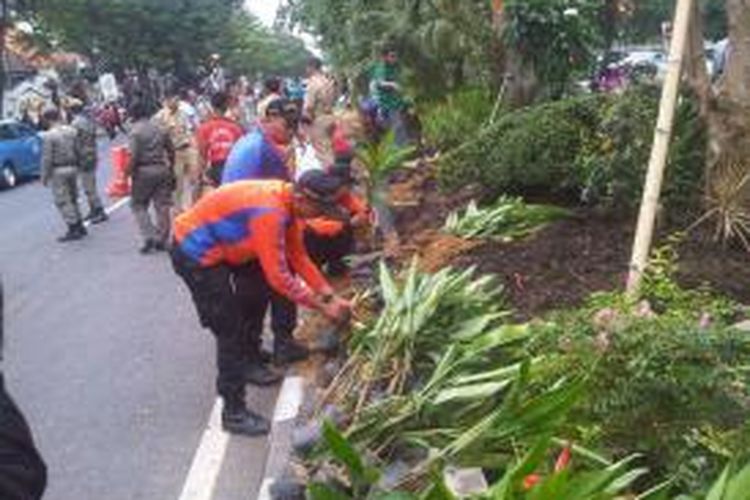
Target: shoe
(147, 247)
(159, 246)
(243, 422)
(74, 233)
(289, 352)
(81, 229)
(261, 376)
(98, 216)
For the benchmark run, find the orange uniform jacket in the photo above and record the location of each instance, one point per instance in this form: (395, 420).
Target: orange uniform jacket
(329, 228)
(249, 220)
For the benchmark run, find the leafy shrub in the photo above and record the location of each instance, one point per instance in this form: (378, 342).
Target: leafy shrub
(672, 386)
(449, 123)
(532, 148)
(596, 146)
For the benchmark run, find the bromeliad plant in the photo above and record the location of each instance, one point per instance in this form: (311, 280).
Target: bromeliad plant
(507, 219)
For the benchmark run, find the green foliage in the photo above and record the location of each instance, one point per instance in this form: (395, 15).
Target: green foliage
(672, 385)
(381, 158)
(557, 37)
(440, 42)
(174, 35)
(595, 146)
(531, 148)
(508, 219)
(450, 122)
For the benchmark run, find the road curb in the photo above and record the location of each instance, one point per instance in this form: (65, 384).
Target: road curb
(294, 391)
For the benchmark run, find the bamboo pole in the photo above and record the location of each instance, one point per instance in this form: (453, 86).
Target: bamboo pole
(662, 136)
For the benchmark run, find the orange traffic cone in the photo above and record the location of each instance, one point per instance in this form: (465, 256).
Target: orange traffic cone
(120, 184)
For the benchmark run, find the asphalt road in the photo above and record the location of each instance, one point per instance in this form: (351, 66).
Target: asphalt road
(106, 358)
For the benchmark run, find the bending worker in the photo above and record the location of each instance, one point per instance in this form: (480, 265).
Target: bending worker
(259, 225)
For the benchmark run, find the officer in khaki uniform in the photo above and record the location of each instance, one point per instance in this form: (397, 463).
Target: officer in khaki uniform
(60, 164)
(186, 174)
(86, 129)
(321, 92)
(151, 166)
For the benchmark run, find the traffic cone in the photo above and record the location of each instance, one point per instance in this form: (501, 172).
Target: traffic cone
(120, 184)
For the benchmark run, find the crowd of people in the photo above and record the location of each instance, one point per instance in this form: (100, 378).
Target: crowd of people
(256, 214)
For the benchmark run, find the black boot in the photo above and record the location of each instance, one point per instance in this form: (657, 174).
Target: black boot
(147, 248)
(73, 234)
(237, 419)
(260, 375)
(97, 216)
(81, 229)
(288, 351)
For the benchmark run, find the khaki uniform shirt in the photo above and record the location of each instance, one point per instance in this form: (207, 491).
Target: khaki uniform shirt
(320, 96)
(177, 126)
(86, 129)
(59, 150)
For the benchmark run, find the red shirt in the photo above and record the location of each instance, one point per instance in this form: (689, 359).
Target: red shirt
(216, 137)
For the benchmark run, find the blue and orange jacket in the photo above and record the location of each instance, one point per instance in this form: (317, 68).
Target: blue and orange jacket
(257, 156)
(252, 220)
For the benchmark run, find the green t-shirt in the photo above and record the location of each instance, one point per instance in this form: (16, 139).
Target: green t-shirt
(387, 99)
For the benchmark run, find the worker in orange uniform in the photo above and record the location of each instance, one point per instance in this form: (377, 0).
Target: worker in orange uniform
(258, 224)
(330, 240)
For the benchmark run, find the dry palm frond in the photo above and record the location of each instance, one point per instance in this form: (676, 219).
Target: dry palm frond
(728, 203)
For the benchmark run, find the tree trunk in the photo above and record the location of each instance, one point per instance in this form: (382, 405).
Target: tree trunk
(518, 77)
(729, 119)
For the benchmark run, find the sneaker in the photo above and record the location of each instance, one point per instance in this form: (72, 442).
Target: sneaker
(261, 376)
(289, 352)
(243, 422)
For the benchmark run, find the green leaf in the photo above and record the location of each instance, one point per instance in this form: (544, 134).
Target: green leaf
(319, 491)
(343, 451)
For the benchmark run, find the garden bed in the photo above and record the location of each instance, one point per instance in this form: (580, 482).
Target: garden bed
(559, 266)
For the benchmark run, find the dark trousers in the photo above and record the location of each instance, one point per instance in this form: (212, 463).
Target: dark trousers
(221, 310)
(256, 296)
(23, 474)
(329, 250)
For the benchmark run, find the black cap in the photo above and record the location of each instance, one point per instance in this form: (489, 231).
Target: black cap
(320, 186)
(281, 106)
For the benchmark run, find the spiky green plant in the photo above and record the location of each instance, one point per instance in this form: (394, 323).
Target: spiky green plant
(507, 219)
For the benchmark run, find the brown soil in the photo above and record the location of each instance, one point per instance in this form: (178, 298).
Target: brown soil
(560, 265)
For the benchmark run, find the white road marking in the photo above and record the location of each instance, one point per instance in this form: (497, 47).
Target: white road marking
(290, 399)
(117, 206)
(112, 208)
(204, 471)
(265, 489)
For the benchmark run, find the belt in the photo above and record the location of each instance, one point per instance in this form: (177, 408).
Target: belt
(182, 147)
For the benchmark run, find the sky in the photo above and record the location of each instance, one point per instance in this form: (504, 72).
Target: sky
(264, 9)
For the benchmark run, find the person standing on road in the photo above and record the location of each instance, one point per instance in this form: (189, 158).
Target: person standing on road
(86, 135)
(177, 125)
(260, 225)
(60, 164)
(266, 153)
(216, 137)
(152, 158)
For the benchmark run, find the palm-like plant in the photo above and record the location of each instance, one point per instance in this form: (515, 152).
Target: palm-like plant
(728, 203)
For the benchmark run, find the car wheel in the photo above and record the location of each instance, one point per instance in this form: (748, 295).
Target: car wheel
(8, 176)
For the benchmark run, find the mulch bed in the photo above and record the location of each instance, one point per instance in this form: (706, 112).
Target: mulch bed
(559, 266)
